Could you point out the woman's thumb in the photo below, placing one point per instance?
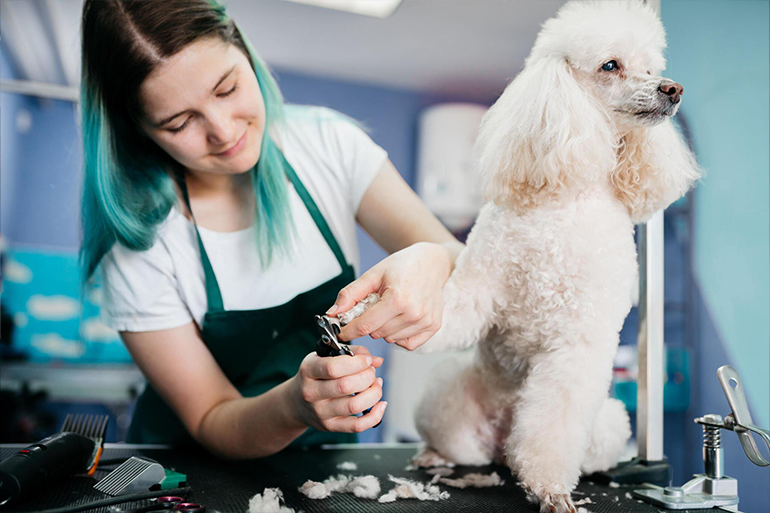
(355, 292)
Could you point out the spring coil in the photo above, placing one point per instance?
(711, 437)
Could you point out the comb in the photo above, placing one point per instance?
(133, 475)
(92, 427)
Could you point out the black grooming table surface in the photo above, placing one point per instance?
(227, 486)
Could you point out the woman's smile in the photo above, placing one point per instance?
(235, 148)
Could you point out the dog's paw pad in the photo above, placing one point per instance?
(556, 503)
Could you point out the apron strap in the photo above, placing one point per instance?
(213, 293)
(315, 213)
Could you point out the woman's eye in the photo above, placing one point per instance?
(610, 66)
(180, 127)
(228, 93)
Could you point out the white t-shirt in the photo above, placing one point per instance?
(164, 287)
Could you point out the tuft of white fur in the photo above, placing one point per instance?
(364, 487)
(474, 481)
(408, 489)
(347, 465)
(571, 159)
(269, 501)
(314, 490)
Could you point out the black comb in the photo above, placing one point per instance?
(92, 427)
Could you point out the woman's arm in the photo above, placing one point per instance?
(395, 217)
(177, 363)
(410, 280)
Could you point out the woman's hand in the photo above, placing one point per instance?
(410, 283)
(322, 391)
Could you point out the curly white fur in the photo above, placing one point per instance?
(572, 156)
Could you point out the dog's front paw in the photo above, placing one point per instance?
(430, 458)
(556, 503)
(550, 502)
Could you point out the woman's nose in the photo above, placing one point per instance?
(672, 90)
(220, 131)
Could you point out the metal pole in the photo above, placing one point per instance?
(649, 419)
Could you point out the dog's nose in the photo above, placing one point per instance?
(672, 90)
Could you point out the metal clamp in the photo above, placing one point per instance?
(740, 418)
(712, 488)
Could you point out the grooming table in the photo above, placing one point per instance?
(227, 486)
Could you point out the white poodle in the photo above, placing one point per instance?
(578, 149)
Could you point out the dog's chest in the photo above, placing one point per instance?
(566, 270)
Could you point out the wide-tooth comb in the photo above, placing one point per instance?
(92, 427)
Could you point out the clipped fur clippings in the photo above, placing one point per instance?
(269, 501)
(408, 489)
(363, 487)
(474, 481)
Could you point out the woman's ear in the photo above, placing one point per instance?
(544, 135)
(655, 168)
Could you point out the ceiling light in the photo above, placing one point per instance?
(377, 8)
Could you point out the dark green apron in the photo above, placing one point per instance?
(256, 349)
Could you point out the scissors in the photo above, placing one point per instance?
(169, 502)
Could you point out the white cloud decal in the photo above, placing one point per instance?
(53, 308)
(54, 345)
(96, 331)
(16, 272)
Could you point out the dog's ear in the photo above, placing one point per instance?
(654, 168)
(544, 135)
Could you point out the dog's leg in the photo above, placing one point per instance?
(451, 417)
(552, 422)
(469, 302)
(609, 436)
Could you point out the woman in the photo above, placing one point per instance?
(223, 221)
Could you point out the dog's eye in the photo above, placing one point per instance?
(610, 66)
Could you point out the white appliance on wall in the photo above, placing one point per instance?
(446, 178)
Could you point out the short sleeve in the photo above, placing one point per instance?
(357, 155)
(141, 291)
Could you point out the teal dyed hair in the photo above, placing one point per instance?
(128, 180)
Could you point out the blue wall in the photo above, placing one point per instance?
(41, 169)
(728, 103)
(720, 51)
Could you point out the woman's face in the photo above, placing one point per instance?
(203, 106)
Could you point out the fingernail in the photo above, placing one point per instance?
(379, 380)
(368, 361)
(384, 405)
(332, 310)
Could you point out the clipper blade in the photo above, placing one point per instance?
(135, 475)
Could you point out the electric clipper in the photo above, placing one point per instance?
(75, 450)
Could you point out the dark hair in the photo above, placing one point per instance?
(124, 40)
(127, 187)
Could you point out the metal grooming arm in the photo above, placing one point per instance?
(649, 419)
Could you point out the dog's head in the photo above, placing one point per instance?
(589, 105)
